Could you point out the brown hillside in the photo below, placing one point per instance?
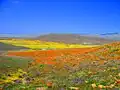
(73, 38)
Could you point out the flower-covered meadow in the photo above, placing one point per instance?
(96, 68)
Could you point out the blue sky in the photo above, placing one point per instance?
(59, 16)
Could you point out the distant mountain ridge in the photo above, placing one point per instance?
(74, 39)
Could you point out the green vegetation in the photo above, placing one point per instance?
(86, 77)
(91, 73)
(8, 64)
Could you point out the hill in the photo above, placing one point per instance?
(82, 68)
(74, 39)
(38, 45)
(100, 54)
(5, 47)
(99, 67)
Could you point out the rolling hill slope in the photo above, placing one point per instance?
(100, 54)
(74, 39)
(5, 47)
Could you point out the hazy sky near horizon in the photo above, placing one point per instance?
(59, 16)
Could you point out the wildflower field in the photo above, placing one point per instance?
(85, 68)
(37, 44)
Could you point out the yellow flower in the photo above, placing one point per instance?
(75, 88)
(110, 75)
(100, 86)
(104, 70)
(20, 70)
(41, 88)
(107, 86)
(93, 85)
(89, 72)
(114, 68)
(119, 74)
(104, 86)
(86, 81)
(112, 85)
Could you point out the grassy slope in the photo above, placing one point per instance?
(105, 52)
(6, 47)
(36, 44)
(13, 63)
(100, 67)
